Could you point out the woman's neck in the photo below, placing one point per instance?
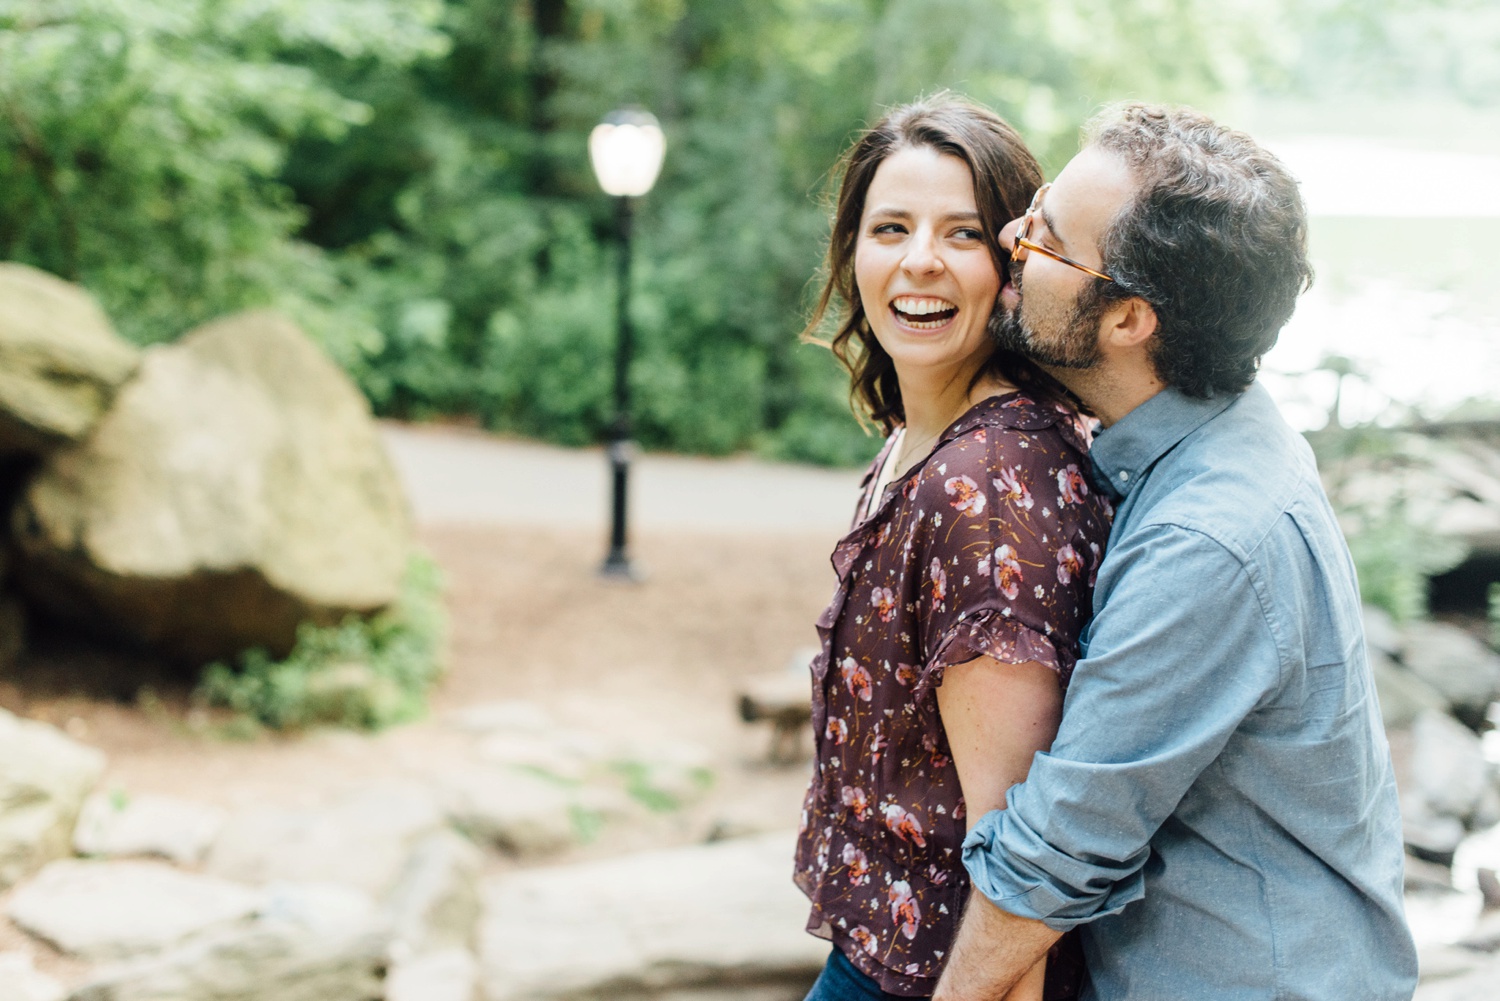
(930, 410)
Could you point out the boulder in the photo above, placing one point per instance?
(649, 925)
(1462, 669)
(44, 777)
(361, 839)
(1480, 984)
(447, 975)
(515, 812)
(310, 943)
(435, 903)
(236, 488)
(178, 830)
(61, 361)
(1402, 694)
(99, 910)
(20, 981)
(1448, 772)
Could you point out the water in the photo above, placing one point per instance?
(1402, 240)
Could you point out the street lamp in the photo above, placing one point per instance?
(626, 149)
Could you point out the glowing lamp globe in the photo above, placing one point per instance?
(626, 150)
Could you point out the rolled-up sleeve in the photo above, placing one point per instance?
(1179, 654)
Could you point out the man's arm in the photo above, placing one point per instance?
(992, 953)
(1179, 655)
(997, 716)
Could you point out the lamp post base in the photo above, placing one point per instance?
(621, 568)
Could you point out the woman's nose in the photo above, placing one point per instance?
(922, 256)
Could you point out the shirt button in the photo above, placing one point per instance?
(1124, 474)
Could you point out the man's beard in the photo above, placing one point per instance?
(1075, 344)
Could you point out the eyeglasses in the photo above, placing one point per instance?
(1023, 244)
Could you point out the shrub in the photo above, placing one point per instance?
(364, 673)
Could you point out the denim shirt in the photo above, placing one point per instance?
(1218, 811)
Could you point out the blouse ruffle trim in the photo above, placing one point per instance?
(988, 633)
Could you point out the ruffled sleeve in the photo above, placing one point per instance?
(1009, 538)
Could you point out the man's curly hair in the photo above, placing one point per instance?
(1215, 239)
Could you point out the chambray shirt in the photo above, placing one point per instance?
(1218, 811)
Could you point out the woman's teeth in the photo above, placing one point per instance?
(923, 312)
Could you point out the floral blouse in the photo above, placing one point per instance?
(987, 547)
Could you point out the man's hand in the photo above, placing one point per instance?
(992, 951)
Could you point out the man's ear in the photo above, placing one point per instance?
(1130, 324)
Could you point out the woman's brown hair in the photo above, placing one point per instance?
(1005, 174)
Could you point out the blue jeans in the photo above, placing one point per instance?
(842, 981)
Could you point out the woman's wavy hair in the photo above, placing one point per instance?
(1005, 174)
(1215, 239)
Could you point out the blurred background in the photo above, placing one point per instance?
(307, 346)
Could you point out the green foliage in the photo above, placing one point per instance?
(1494, 616)
(409, 178)
(363, 673)
(1395, 558)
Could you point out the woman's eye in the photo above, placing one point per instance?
(888, 227)
(968, 233)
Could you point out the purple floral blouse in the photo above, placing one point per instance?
(987, 547)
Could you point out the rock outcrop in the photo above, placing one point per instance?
(60, 361)
(236, 488)
(44, 777)
(650, 926)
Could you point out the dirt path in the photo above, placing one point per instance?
(737, 553)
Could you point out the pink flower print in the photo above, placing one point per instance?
(1071, 486)
(903, 825)
(837, 730)
(855, 799)
(936, 876)
(856, 678)
(1014, 489)
(858, 863)
(961, 809)
(865, 940)
(937, 579)
(1007, 572)
(878, 742)
(1094, 566)
(905, 911)
(906, 674)
(980, 437)
(1069, 564)
(882, 535)
(1016, 402)
(965, 494)
(929, 744)
(884, 600)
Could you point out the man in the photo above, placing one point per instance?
(1217, 814)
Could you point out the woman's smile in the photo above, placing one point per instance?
(923, 312)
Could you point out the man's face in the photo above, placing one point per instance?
(1056, 320)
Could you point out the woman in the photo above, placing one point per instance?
(967, 576)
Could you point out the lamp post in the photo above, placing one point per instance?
(626, 150)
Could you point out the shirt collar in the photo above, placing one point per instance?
(1123, 452)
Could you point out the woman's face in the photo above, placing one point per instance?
(925, 276)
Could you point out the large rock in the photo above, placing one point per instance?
(1479, 984)
(311, 943)
(435, 906)
(649, 925)
(60, 361)
(178, 830)
(44, 777)
(20, 981)
(1403, 695)
(1464, 670)
(236, 488)
(446, 975)
(364, 839)
(115, 910)
(517, 813)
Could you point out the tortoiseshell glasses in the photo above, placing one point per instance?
(1024, 244)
